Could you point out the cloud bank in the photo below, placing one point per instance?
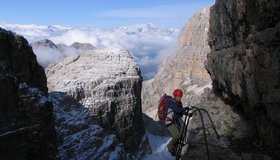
(147, 43)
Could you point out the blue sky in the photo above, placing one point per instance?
(100, 13)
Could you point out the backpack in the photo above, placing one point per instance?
(162, 108)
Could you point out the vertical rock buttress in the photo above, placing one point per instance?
(244, 62)
(26, 118)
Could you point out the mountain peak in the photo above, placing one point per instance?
(83, 46)
(44, 43)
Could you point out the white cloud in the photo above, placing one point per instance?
(47, 56)
(146, 43)
(75, 35)
(69, 51)
(146, 60)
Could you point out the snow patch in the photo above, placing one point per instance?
(159, 147)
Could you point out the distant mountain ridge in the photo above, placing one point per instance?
(49, 53)
(35, 32)
(147, 43)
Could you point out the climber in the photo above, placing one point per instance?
(172, 122)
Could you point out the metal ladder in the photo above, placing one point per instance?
(183, 140)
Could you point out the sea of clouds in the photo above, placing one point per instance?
(147, 43)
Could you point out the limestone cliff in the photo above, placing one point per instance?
(184, 68)
(26, 119)
(106, 83)
(244, 62)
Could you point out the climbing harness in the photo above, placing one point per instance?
(183, 139)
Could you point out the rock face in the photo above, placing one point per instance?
(184, 69)
(18, 58)
(81, 137)
(194, 45)
(236, 138)
(244, 62)
(26, 119)
(108, 84)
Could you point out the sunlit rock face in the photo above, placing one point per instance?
(107, 84)
(244, 62)
(26, 118)
(185, 69)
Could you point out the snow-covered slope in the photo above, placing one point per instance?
(78, 136)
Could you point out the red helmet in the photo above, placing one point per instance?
(178, 92)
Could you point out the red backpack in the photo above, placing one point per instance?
(162, 108)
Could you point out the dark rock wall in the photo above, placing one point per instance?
(26, 119)
(244, 62)
(17, 58)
